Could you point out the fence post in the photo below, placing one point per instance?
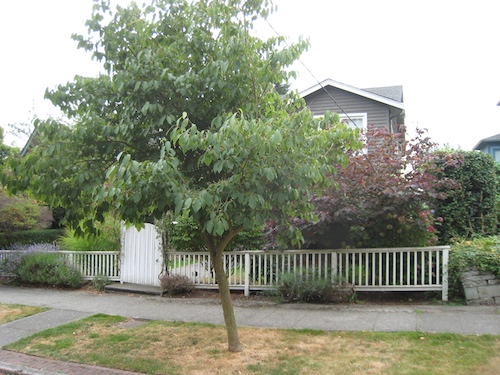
(445, 273)
(247, 274)
(334, 268)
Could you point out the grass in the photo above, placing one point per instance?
(9, 312)
(158, 347)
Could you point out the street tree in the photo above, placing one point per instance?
(187, 119)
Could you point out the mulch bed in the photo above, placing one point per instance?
(379, 298)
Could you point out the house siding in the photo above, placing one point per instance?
(319, 102)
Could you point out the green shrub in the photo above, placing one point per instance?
(480, 253)
(17, 212)
(470, 208)
(100, 281)
(47, 269)
(294, 288)
(176, 284)
(497, 202)
(416, 227)
(28, 237)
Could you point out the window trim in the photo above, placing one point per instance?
(361, 115)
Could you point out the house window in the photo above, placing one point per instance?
(495, 152)
(354, 120)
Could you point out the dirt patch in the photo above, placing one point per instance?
(405, 298)
(374, 298)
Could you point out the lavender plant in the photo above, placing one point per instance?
(10, 261)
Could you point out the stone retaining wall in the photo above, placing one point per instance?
(481, 288)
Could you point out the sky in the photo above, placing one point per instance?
(445, 54)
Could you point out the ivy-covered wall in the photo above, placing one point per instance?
(470, 208)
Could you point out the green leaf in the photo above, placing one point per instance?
(269, 173)
(111, 172)
(209, 226)
(276, 138)
(145, 108)
(196, 205)
(252, 202)
(219, 228)
(179, 202)
(137, 197)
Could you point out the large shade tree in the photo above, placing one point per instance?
(187, 118)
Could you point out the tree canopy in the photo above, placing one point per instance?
(185, 118)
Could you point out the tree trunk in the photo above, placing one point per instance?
(216, 248)
(233, 338)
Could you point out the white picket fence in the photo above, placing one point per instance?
(90, 263)
(390, 269)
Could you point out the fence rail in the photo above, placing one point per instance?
(390, 269)
(90, 263)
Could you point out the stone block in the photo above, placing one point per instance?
(489, 291)
(481, 288)
(471, 293)
(470, 273)
(476, 278)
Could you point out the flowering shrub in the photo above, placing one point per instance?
(40, 264)
(47, 269)
(10, 265)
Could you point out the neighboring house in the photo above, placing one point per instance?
(491, 146)
(379, 106)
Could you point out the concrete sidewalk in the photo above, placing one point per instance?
(73, 305)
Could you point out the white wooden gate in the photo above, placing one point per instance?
(141, 256)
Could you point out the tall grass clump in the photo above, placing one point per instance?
(107, 239)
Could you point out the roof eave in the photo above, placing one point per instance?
(351, 89)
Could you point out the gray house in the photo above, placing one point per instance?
(490, 145)
(381, 107)
(377, 106)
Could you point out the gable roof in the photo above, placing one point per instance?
(390, 92)
(391, 95)
(492, 139)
